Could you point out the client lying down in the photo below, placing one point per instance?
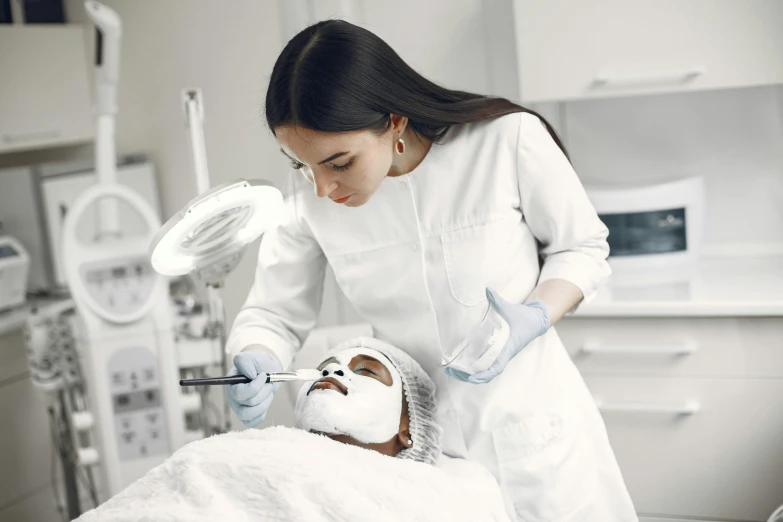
(367, 448)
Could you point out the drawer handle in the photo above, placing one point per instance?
(686, 408)
(647, 77)
(686, 348)
(31, 136)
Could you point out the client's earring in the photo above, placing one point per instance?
(399, 146)
(410, 442)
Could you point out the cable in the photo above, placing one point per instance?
(53, 468)
(93, 493)
(68, 454)
(204, 391)
(215, 428)
(207, 406)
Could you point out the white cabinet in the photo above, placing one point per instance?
(693, 407)
(571, 49)
(44, 92)
(697, 447)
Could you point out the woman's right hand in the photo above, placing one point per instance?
(250, 401)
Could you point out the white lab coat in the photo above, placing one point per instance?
(481, 210)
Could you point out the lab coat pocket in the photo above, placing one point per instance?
(476, 257)
(547, 467)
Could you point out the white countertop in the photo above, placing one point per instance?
(13, 319)
(717, 286)
(728, 287)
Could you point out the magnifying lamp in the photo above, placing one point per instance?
(208, 237)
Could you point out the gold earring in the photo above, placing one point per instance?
(399, 146)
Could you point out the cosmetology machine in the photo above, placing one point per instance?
(208, 237)
(110, 357)
(123, 326)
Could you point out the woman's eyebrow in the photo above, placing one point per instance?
(333, 157)
(289, 157)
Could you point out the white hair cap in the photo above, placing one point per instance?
(420, 394)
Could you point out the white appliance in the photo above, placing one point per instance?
(652, 227)
(108, 358)
(123, 324)
(14, 266)
(124, 334)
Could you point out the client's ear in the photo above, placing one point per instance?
(404, 434)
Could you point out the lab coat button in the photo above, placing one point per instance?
(403, 184)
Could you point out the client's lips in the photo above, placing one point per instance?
(328, 383)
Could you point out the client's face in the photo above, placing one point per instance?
(359, 400)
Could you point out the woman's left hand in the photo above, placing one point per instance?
(526, 321)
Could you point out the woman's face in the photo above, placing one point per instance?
(347, 167)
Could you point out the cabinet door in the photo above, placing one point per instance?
(570, 49)
(44, 92)
(697, 447)
(669, 347)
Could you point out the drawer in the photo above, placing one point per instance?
(708, 347)
(709, 448)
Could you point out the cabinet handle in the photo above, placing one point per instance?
(686, 348)
(31, 136)
(647, 77)
(686, 408)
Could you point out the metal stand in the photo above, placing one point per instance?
(216, 329)
(69, 464)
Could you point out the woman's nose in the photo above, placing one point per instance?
(324, 185)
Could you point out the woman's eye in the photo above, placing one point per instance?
(367, 370)
(296, 165)
(343, 167)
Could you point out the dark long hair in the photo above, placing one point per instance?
(335, 77)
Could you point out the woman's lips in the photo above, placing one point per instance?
(343, 200)
(328, 383)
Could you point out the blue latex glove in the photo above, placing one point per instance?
(250, 401)
(527, 321)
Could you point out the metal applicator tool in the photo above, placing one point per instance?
(298, 375)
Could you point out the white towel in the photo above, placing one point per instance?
(285, 474)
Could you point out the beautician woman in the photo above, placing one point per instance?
(427, 203)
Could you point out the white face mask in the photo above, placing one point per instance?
(369, 413)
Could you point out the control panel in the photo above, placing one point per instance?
(121, 286)
(139, 415)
